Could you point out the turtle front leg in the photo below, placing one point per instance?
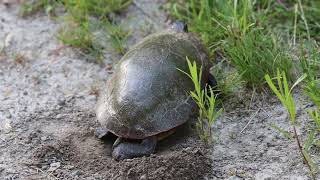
(123, 149)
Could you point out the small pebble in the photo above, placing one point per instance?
(43, 138)
(143, 177)
(8, 115)
(54, 166)
(62, 102)
(70, 167)
(186, 149)
(76, 173)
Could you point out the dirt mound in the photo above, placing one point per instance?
(79, 154)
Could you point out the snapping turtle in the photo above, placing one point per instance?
(147, 97)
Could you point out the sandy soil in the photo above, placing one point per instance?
(47, 118)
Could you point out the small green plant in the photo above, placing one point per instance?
(117, 37)
(206, 102)
(309, 56)
(308, 144)
(316, 118)
(312, 89)
(230, 82)
(30, 7)
(310, 64)
(80, 36)
(284, 94)
(313, 137)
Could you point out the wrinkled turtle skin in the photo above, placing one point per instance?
(147, 94)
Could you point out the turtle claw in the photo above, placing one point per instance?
(117, 142)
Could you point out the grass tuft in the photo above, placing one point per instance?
(256, 54)
(80, 31)
(206, 101)
(80, 24)
(234, 28)
(280, 16)
(80, 36)
(33, 6)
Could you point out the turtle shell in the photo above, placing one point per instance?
(147, 94)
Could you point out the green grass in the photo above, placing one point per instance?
(31, 7)
(213, 19)
(83, 21)
(206, 101)
(256, 54)
(280, 16)
(81, 13)
(233, 28)
(230, 82)
(312, 89)
(310, 64)
(284, 94)
(256, 37)
(117, 37)
(309, 56)
(80, 36)
(313, 139)
(315, 114)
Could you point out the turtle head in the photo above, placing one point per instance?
(179, 26)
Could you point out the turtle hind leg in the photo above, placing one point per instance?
(124, 149)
